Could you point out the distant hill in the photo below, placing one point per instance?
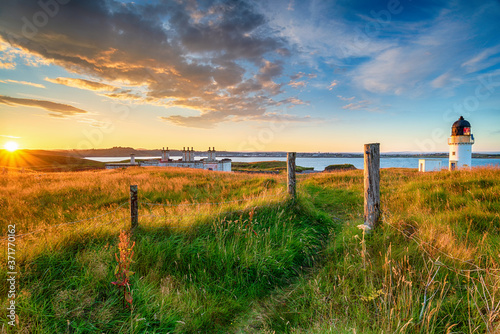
(46, 161)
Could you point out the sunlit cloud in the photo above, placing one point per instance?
(332, 85)
(57, 110)
(203, 52)
(297, 84)
(23, 83)
(82, 83)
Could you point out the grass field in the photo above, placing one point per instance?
(265, 166)
(229, 253)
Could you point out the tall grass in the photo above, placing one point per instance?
(431, 267)
(208, 245)
(246, 260)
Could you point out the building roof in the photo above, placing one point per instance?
(458, 127)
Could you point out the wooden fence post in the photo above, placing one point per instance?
(134, 208)
(372, 185)
(290, 168)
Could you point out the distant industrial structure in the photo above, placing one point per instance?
(187, 161)
(460, 144)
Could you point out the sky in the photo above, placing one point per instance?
(303, 76)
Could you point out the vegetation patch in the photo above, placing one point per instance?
(265, 166)
(342, 167)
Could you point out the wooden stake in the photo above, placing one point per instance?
(290, 168)
(372, 185)
(134, 208)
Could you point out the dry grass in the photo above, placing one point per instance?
(98, 201)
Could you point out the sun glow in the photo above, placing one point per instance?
(11, 146)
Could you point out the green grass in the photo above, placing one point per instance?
(265, 166)
(340, 167)
(265, 265)
(398, 279)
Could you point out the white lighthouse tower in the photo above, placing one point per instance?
(460, 143)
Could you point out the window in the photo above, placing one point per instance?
(453, 153)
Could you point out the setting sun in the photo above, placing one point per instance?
(11, 146)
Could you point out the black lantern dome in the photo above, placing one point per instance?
(461, 128)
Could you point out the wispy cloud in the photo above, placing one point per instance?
(357, 105)
(297, 84)
(438, 54)
(23, 83)
(11, 137)
(346, 98)
(57, 110)
(332, 85)
(82, 83)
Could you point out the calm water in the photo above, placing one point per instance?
(319, 164)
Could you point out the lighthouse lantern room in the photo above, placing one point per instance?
(460, 144)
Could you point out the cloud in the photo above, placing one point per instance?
(280, 117)
(220, 58)
(320, 31)
(291, 100)
(439, 53)
(346, 98)
(357, 105)
(23, 83)
(486, 58)
(12, 137)
(82, 83)
(332, 85)
(58, 110)
(297, 84)
(300, 75)
(10, 56)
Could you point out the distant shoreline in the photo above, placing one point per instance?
(126, 151)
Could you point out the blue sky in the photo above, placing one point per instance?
(288, 75)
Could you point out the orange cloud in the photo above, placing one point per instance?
(23, 83)
(82, 83)
(58, 110)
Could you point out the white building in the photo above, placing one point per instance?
(460, 144)
(187, 161)
(429, 165)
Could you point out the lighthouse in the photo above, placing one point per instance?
(460, 143)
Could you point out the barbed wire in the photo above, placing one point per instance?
(68, 223)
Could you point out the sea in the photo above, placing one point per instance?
(319, 164)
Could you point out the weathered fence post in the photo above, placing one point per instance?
(134, 209)
(372, 184)
(290, 168)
